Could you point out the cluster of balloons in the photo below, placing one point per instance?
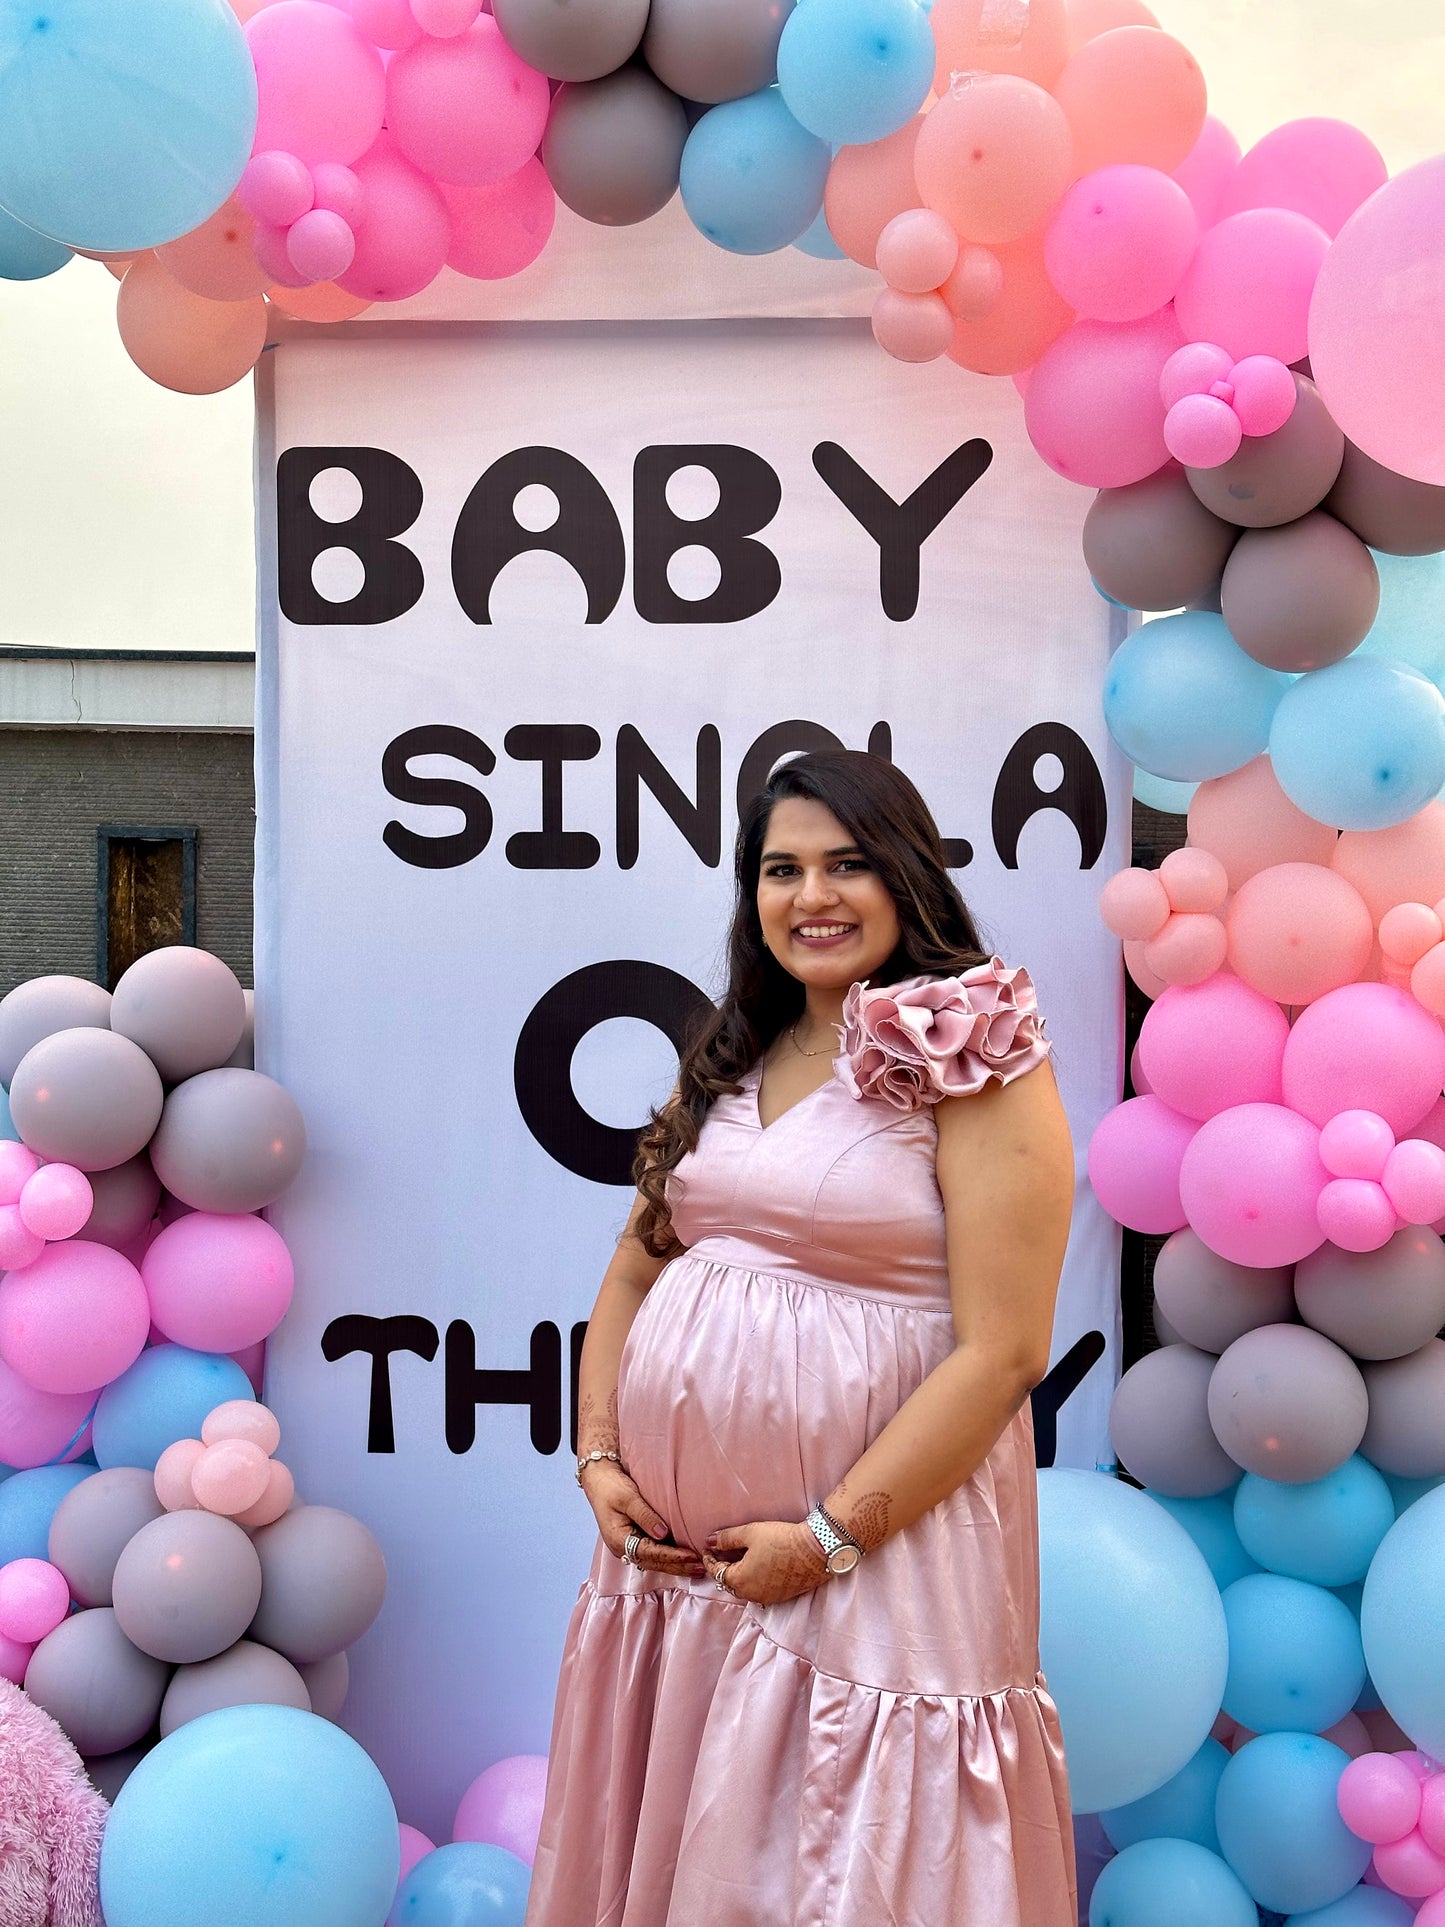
(483, 1875)
(1395, 1801)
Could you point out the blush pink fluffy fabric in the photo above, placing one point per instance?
(51, 1822)
(929, 1038)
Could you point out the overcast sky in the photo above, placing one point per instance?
(126, 510)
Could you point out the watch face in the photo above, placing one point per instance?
(843, 1559)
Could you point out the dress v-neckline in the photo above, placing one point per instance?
(756, 1074)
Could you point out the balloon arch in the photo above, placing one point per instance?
(1242, 355)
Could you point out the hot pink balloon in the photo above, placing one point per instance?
(402, 245)
(75, 1319)
(1194, 880)
(1119, 243)
(1414, 1181)
(1432, 1812)
(173, 1475)
(57, 1201)
(322, 87)
(917, 251)
(1264, 394)
(1194, 370)
(1365, 1047)
(1093, 409)
(1134, 1163)
(218, 1282)
(1250, 282)
(337, 190)
(1207, 169)
(19, 1245)
(276, 1499)
(34, 1598)
(1188, 950)
(14, 1659)
(1356, 1214)
(1208, 1047)
(912, 327)
(1356, 1144)
(242, 1418)
(18, 1164)
(466, 110)
(386, 23)
(1250, 1182)
(498, 231)
(1202, 431)
(1410, 1867)
(1379, 1798)
(1135, 904)
(1321, 168)
(276, 188)
(321, 246)
(230, 1477)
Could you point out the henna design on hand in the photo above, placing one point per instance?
(598, 1432)
(868, 1521)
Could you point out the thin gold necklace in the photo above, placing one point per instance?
(827, 1049)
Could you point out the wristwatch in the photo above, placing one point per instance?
(843, 1552)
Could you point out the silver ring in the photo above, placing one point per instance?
(720, 1580)
(629, 1551)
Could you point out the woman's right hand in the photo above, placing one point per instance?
(620, 1507)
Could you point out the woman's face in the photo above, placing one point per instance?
(827, 915)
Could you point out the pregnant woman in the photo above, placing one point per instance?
(801, 1683)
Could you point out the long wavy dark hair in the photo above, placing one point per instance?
(891, 824)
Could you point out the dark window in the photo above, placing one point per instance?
(145, 895)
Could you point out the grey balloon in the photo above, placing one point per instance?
(86, 1097)
(41, 1007)
(714, 50)
(1389, 511)
(93, 1525)
(1277, 478)
(110, 1771)
(1160, 1425)
(1302, 596)
(327, 1681)
(1166, 1333)
(244, 1675)
(243, 1057)
(1406, 1433)
(184, 1007)
(186, 1586)
(126, 1197)
(1376, 1304)
(613, 147)
(1286, 1403)
(323, 1582)
(572, 39)
(1154, 545)
(91, 1679)
(1212, 1302)
(228, 1140)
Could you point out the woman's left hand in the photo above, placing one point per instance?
(766, 1563)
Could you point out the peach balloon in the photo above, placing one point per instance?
(1405, 864)
(231, 1477)
(323, 302)
(183, 341)
(1149, 981)
(1247, 821)
(867, 187)
(242, 1418)
(1133, 94)
(975, 286)
(1026, 318)
(1408, 931)
(1089, 18)
(1298, 930)
(1134, 905)
(217, 260)
(917, 252)
(1427, 981)
(979, 36)
(994, 157)
(173, 1475)
(912, 327)
(1194, 880)
(276, 1499)
(1187, 950)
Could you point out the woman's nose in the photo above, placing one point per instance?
(815, 889)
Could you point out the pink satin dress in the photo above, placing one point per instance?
(881, 1752)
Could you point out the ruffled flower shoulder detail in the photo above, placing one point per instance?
(928, 1038)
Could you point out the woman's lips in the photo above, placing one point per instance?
(842, 935)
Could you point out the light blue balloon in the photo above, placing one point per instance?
(1361, 1907)
(1326, 1531)
(1160, 794)
(26, 255)
(1411, 624)
(1360, 745)
(1173, 1881)
(255, 1813)
(27, 1505)
(7, 1123)
(163, 1397)
(1182, 1809)
(1132, 1636)
(856, 70)
(1296, 1664)
(1210, 1524)
(1183, 700)
(1279, 1826)
(752, 178)
(464, 1885)
(123, 123)
(1402, 1621)
(817, 240)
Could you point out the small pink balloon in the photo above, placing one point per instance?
(276, 1499)
(1356, 1214)
(1250, 283)
(1408, 931)
(57, 1201)
(1193, 371)
(1206, 171)
(1185, 1060)
(1356, 1144)
(390, 24)
(1427, 980)
(243, 1418)
(1134, 1163)
(912, 327)
(1409, 1866)
(1414, 1181)
(74, 1319)
(975, 288)
(322, 86)
(18, 1164)
(337, 190)
(497, 231)
(272, 256)
(466, 110)
(230, 1477)
(1119, 242)
(1379, 1798)
(320, 246)
(14, 1659)
(34, 1599)
(402, 245)
(444, 19)
(1188, 950)
(19, 1245)
(1093, 409)
(1249, 1183)
(1432, 1812)
(1135, 905)
(1194, 880)
(173, 1475)
(1321, 168)
(276, 188)
(1264, 394)
(917, 251)
(1201, 431)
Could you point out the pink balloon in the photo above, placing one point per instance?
(274, 257)
(498, 231)
(445, 18)
(1202, 431)
(1410, 1867)
(1120, 242)
(466, 110)
(19, 1245)
(218, 1282)
(1298, 931)
(1323, 169)
(243, 1418)
(34, 1598)
(1264, 394)
(1356, 1144)
(1135, 904)
(975, 288)
(18, 1164)
(230, 1477)
(14, 1659)
(276, 188)
(1414, 1181)
(917, 251)
(321, 246)
(322, 87)
(1408, 931)
(1187, 1061)
(276, 1499)
(1134, 1162)
(1379, 1798)
(1432, 1812)
(414, 1846)
(1249, 823)
(912, 327)
(1365, 1047)
(1189, 949)
(402, 245)
(1356, 1214)
(1193, 371)
(1207, 169)
(57, 1201)
(1250, 282)
(1093, 409)
(39, 1428)
(1250, 1182)
(173, 1475)
(386, 23)
(75, 1319)
(503, 1806)
(1194, 880)
(1432, 1913)
(337, 190)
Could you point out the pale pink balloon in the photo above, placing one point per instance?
(1321, 168)
(1207, 169)
(1410, 1867)
(1408, 931)
(414, 1846)
(218, 1281)
(1297, 931)
(975, 287)
(40, 1428)
(1250, 282)
(1135, 1157)
(1188, 950)
(917, 251)
(181, 340)
(74, 1319)
(1356, 1144)
(1356, 1214)
(1202, 431)
(466, 110)
(867, 186)
(217, 259)
(19, 1245)
(34, 1599)
(277, 188)
(1405, 864)
(243, 1418)
(1379, 1798)
(402, 245)
(56, 1202)
(338, 190)
(977, 36)
(1089, 18)
(1027, 315)
(1194, 370)
(445, 18)
(274, 257)
(1414, 1181)
(1264, 394)
(320, 245)
(1093, 410)
(1186, 1061)
(14, 1659)
(498, 231)
(1365, 1047)
(1247, 821)
(322, 86)
(18, 1164)
(1119, 243)
(230, 1477)
(1134, 904)
(1194, 880)
(1152, 985)
(276, 1499)
(1249, 1184)
(1427, 980)
(993, 157)
(323, 303)
(386, 23)
(1134, 94)
(1432, 1913)
(173, 1475)
(912, 327)
(1432, 1812)
(1138, 1076)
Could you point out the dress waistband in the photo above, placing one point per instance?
(799, 1265)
